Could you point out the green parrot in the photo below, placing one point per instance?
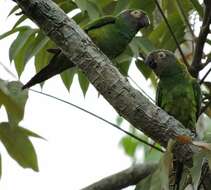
(178, 93)
(111, 34)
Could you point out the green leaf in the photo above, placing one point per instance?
(141, 44)
(161, 36)
(67, 77)
(83, 81)
(129, 145)
(90, 7)
(14, 9)
(159, 180)
(14, 100)
(198, 7)
(29, 133)
(121, 5)
(144, 69)
(20, 58)
(18, 146)
(196, 169)
(144, 5)
(152, 155)
(20, 41)
(104, 5)
(67, 6)
(19, 29)
(19, 21)
(43, 57)
(38, 43)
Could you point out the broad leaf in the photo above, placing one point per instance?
(90, 7)
(20, 53)
(83, 81)
(20, 41)
(19, 21)
(18, 146)
(14, 100)
(67, 77)
(129, 145)
(198, 7)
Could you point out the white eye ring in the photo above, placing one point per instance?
(136, 13)
(162, 55)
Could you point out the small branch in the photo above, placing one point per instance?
(139, 87)
(8, 71)
(206, 63)
(198, 53)
(100, 118)
(172, 33)
(205, 76)
(88, 112)
(125, 178)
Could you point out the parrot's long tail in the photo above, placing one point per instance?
(178, 175)
(57, 64)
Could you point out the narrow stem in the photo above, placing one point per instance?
(205, 76)
(100, 118)
(172, 33)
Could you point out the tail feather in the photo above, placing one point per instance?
(58, 64)
(179, 170)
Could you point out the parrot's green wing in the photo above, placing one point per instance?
(198, 97)
(159, 95)
(99, 23)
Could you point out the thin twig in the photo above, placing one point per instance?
(86, 111)
(205, 76)
(206, 63)
(8, 71)
(198, 53)
(172, 33)
(100, 118)
(139, 87)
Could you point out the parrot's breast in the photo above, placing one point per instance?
(178, 100)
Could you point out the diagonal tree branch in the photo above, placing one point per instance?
(125, 178)
(196, 65)
(126, 100)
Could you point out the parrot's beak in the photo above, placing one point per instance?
(150, 61)
(144, 21)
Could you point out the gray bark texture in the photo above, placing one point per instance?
(115, 88)
(125, 178)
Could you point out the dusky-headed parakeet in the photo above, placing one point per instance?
(111, 34)
(178, 93)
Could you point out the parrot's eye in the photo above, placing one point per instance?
(161, 55)
(136, 13)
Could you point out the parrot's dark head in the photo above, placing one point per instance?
(135, 17)
(162, 62)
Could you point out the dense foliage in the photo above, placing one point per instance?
(182, 18)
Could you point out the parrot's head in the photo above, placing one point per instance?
(161, 61)
(135, 17)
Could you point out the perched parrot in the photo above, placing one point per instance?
(111, 34)
(178, 93)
